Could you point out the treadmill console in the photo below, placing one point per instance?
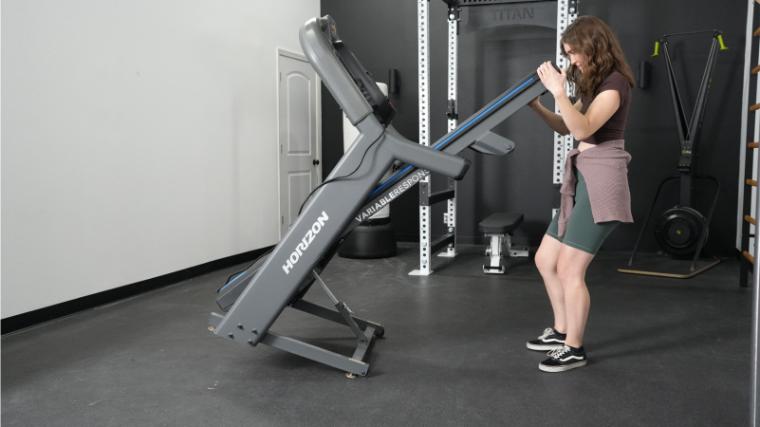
(381, 105)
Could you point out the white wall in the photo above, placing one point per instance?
(138, 138)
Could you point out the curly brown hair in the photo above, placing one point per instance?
(594, 38)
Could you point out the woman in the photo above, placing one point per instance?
(594, 196)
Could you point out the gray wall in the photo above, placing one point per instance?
(383, 35)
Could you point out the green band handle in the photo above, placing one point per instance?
(720, 42)
(656, 49)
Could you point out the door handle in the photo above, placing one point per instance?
(315, 162)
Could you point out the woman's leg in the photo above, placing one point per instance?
(546, 262)
(583, 238)
(571, 271)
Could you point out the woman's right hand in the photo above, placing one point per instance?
(553, 80)
(535, 103)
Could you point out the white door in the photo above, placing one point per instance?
(300, 154)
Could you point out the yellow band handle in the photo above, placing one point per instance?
(720, 42)
(656, 51)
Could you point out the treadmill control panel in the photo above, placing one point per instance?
(381, 105)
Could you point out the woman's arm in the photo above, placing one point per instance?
(580, 125)
(551, 118)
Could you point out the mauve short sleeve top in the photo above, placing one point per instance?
(615, 126)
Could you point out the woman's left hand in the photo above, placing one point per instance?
(553, 80)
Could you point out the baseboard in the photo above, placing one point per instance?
(45, 314)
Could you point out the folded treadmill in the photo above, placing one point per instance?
(253, 299)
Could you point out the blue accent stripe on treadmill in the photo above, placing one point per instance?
(498, 103)
(230, 282)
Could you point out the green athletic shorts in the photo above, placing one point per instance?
(581, 232)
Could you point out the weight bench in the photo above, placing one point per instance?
(498, 227)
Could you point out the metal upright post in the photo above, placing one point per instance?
(567, 12)
(754, 416)
(744, 137)
(424, 134)
(754, 247)
(450, 217)
(747, 194)
(741, 228)
(755, 381)
(755, 160)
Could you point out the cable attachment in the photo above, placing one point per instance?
(451, 110)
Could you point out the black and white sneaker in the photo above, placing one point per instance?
(549, 340)
(564, 359)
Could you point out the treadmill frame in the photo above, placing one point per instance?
(335, 208)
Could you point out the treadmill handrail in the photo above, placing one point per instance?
(434, 160)
(472, 121)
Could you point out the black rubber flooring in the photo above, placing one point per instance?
(663, 352)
